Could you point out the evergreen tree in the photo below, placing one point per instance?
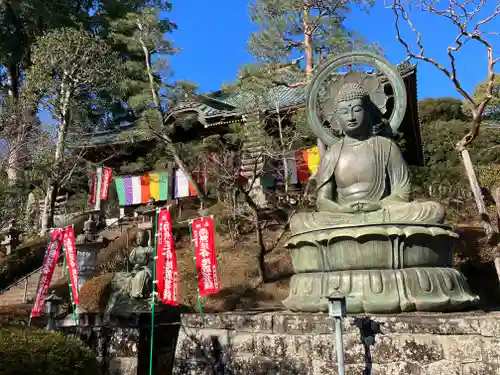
(21, 22)
(134, 93)
(66, 63)
(311, 29)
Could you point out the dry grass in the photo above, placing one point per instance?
(239, 276)
(15, 314)
(238, 271)
(94, 294)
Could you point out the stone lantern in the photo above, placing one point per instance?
(52, 302)
(88, 246)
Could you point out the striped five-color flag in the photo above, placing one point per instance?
(133, 190)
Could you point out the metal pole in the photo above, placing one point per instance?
(339, 344)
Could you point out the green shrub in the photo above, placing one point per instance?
(445, 109)
(37, 352)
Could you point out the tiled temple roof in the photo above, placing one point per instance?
(214, 109)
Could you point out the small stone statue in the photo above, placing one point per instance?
(142, 259)
(363, 178)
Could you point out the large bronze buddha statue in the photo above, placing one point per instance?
(363, 177)
(367, 240)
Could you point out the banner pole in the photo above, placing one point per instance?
(200, 304)
(154, 295)
(46, 248)
(66, 271)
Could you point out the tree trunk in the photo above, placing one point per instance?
(478, 196)
(495, 193)
(15, 159)
(159, 133)
(261, 261)
(283, 149)
(17, 134)
(258, 233)
(48, 207)
(308, 43)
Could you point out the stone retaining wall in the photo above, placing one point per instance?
(285, 343)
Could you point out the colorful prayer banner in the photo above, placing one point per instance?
(202, 230)
(181, 185)
(70, 254)
(107, 175)
(48, 267)
(302, 169)
(313, 159)
(183, 188)
(96, 188)
(132, 190)
(166, 260)
(302, 164)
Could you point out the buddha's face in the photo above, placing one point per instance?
(141, 238)
(353, 117)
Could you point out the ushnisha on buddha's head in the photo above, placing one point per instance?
(352, 110)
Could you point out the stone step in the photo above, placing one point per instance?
(15, 295)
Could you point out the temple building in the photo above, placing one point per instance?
(213, 113)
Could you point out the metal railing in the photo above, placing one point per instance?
(25, 279)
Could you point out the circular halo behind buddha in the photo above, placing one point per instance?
(367, 239)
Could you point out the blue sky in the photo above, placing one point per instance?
(213, 38)
(213, 34)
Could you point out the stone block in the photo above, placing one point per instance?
(250, 322)
(303, 323)
(123, 342)
(480, 368)
(491, 348)
(272, 346)
(490, 325)
(464, 349)
(258, 365)
(283, 342)
(123, 366)
(354, 351)
(443, 367)
(421, 349)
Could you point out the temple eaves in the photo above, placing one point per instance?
(221, 108)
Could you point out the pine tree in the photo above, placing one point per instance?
(309, 29)
(135, 93)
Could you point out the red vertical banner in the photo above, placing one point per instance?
(166, 260)
(205, 255)
(93, 186)
(48, 267)
(107, 175)
(70, 253)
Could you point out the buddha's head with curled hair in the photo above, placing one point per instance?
(352, 110)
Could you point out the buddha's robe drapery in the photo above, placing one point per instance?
(142, 272)
(390, 188)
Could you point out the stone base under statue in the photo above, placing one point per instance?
(385, 268)
(382, 291)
